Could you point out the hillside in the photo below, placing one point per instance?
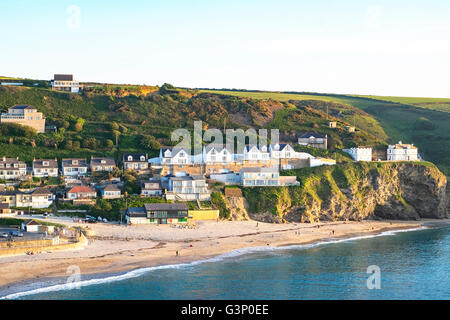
(142, 118)
(422, 121)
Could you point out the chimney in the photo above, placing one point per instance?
(4, 158)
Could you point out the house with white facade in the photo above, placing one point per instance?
(137, 162)
(255, 153)
(81, 192)
(402, 152)
(12, 168)
(38, 199)
(177, 156)
(188, 188)
(282, 151)
(265, 177)
(360, 153)
(313, 140)
(102, 164)
(74, 167)
(110, 191)
(217, 154)
(65, 82)
(151, 188)
(45, 168)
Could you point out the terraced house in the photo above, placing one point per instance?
(45, 168)
(24, 115)
(12, 168)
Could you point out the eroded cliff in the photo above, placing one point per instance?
(357, 191)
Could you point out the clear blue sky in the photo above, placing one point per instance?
(361, 47)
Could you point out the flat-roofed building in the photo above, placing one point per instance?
(158, 213)
(360, 153)
(188, 188)
(24, 115)
(402, 152)
(65, 82)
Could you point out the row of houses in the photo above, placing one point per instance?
(395, 152)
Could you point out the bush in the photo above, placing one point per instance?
(218, 201)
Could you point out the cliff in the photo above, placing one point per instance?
(356, 191)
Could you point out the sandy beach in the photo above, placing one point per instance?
(119, 248)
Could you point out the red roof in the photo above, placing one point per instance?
(81, 189)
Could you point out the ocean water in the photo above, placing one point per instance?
(413, 265)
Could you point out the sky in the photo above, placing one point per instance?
(395, 48)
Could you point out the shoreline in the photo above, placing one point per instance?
(121, 263)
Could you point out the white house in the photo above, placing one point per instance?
(188, 188)
(45, 168)
(255, 153)
(402, 152)
(12, 168)
(74, 167)
(360, 153)
(151, 188)
(65, 82)
(257, 176)
(177, 156)
(281, 151)
(217, 154)
(38, 199)
(138, 162)
(110, 191)
(30, 226)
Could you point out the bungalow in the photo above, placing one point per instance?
(188, 188)
(74, 167)
(138, 162)
(12, 168)
(313, 140)
(102, 164)
(110, 192)
(151, 188)
(81, 192)
(158, 213)
(174, 156)
(45, 168)
(30, 226)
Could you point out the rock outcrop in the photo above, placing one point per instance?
(357, 191)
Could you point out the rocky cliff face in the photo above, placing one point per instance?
(359, 191)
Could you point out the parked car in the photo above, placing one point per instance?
(90, 219)
(5, 235)
(17, 233)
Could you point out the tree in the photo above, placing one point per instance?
(68, 145)
(113, 126)
(77, 127)
(149, 142)
(90, 143)
(109, 143)
(76, 145)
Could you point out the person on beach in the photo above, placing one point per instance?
(177, 253)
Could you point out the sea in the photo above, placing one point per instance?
(391, 265)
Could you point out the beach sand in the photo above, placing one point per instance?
(119, 248)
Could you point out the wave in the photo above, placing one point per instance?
(232, 254)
